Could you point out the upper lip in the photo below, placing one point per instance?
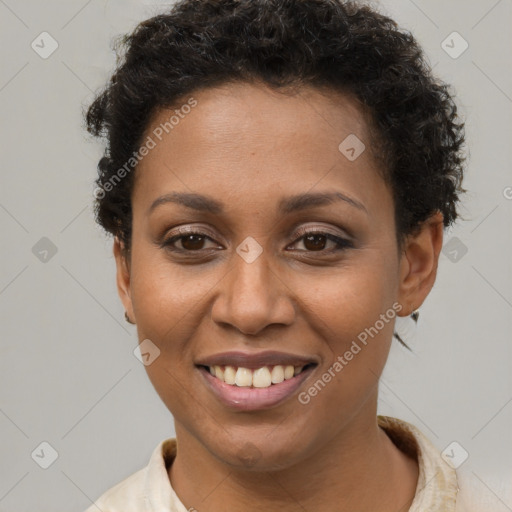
(255, 360)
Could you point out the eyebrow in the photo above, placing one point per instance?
(287, 205)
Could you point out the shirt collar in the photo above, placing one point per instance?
(437, 481)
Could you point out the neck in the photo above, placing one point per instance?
(360, 469)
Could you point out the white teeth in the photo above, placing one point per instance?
(288, 372)
(243, 377)
(229, 375)
(260, 378)
(277, 374)
(219, 373)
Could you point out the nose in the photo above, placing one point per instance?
(252, 296)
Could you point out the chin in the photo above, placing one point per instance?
(259, 455)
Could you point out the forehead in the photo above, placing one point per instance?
(230, 113)
(251, 139)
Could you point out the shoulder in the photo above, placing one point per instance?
(443, 485)
(126, 496)
(145, 489)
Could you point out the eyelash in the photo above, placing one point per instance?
(341, 243)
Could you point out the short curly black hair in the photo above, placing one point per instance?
(337, 45)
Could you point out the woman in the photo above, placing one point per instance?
(277, 178)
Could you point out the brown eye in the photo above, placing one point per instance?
(314, 241)
(190, 242)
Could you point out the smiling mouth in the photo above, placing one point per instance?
(263, 377)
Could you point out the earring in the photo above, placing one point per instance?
(127, 318)
(415, 315)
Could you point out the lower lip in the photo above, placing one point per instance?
(254, 399)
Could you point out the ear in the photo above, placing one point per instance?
(418, 265)
(123, 277)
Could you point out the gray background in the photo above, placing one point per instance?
(67, 369)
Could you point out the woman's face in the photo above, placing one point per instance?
(263, 283)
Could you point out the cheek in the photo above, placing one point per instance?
(352, 298)
(166, 297)
(353, 311)
(358, 340)
(167, 302)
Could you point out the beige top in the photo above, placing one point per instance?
(149, 489)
